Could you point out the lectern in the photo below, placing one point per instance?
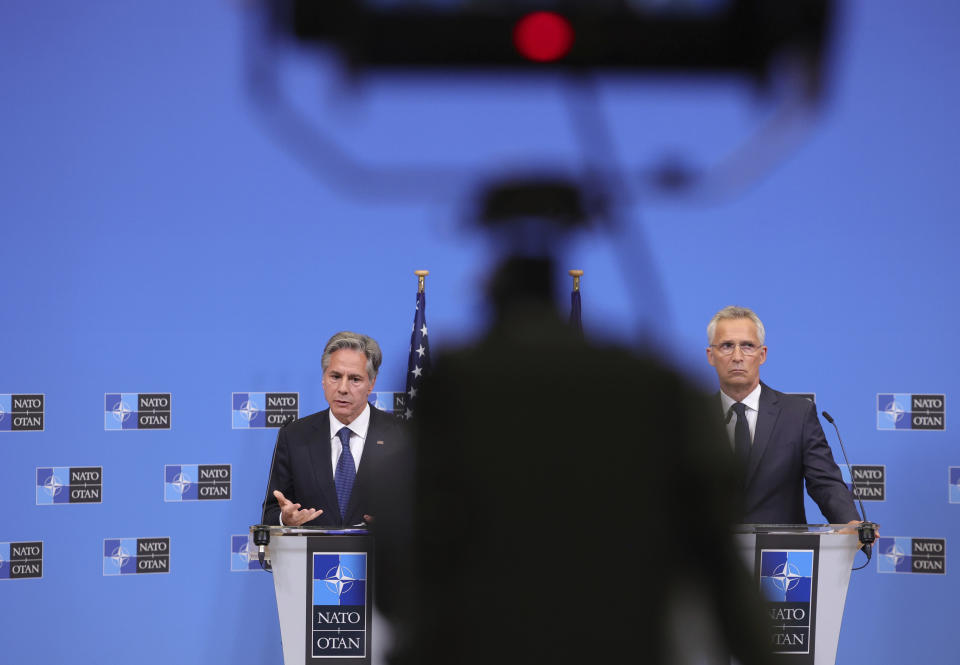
(323, 579)
(802, 572)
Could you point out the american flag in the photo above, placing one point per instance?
(419, 364)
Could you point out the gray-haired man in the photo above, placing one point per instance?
(327, 466)
(778, 438)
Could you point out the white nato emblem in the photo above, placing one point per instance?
(786, 576)
(120, 556)
(895, 411)
(247, 552)
(53, 486)
(339, 579)
(182, 482)
(249, 409)
(894, 554)
(122, 412)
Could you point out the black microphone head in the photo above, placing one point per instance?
(827, 416)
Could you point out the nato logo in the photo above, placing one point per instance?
(911, 555)
(124, 411)
(339, 605)
(196, 482)
(954, 472)
(395, 403)
(69, 484)
(21, 560)
(867, 482)
(21, 413)
(786, 583)
(131, 556)
(898, 411)
(243, 553)
(261, 410)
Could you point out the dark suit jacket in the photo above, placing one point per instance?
(302, 470)
(789, 448)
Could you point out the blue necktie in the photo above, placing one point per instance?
(346, 473)
(741, 434)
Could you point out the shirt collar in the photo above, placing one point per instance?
(359, 426)
(751, 401)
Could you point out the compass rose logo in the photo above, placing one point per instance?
(894, 555)
(53, 486)
(120, 556)
(786, 576)
(121, 412)
(339, 579)
(895, 411)
(248, 410)
(181, 482)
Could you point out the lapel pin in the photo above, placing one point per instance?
(379, 443)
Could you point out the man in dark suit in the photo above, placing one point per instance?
(327, 467)
(777, 438)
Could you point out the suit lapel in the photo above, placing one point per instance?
(767, 415)
(319, 451)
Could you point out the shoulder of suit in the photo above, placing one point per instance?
(383, 418)
(313, 421)
(386, 424)
(788, 401)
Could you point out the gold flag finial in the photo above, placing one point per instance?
(576, 274)
(420, 275)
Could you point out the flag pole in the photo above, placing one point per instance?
(421, 274)
(576, 321)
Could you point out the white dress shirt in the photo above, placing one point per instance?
(752, 402)
(358, 436)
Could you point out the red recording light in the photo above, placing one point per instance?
(543, 36)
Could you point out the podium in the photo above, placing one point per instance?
(802, 572)
(323, 579)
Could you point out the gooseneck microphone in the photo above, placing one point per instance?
(867, 531)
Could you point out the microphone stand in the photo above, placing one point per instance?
(866, 531)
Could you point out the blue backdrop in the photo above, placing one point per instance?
(156, 239)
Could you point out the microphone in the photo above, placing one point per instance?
(867, 531)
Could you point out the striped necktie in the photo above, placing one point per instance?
(345, 474)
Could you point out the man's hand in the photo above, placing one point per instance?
(290, 513)
(853, 530)
(852, 523)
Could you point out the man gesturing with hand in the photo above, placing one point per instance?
(327, 466)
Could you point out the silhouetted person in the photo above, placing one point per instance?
(570, 504)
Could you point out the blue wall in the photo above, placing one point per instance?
(156, 239)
